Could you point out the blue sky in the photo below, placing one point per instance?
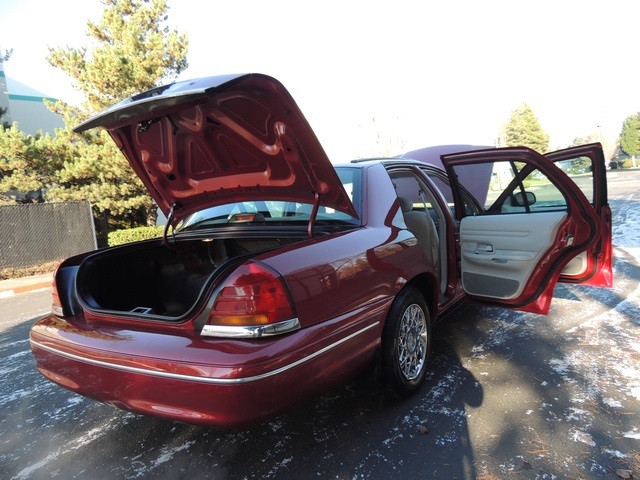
(385, 77)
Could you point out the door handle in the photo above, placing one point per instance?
(484, 248)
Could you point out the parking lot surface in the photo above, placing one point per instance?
(508, 395)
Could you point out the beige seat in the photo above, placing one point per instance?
(422, 226)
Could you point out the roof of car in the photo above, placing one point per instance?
(423, 156)
(388, 161)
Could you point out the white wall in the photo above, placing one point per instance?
(26, 106)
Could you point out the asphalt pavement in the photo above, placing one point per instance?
(508, 395)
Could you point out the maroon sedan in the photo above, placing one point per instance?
(280, 276)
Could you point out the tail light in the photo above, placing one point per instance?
(65, 302)
(56, 306)
(252, 302)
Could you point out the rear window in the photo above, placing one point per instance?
(279, 212)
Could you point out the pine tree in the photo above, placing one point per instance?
(26, 162)
(132, 53)
(3, 123)
(524, 129)
(132, 50)
(630, 136)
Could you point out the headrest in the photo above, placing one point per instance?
(405, 204)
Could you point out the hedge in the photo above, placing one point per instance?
(118, 237)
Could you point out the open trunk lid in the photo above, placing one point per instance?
(217, 140)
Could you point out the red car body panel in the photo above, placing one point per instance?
(226, 383)
(341, 330)
(228, 139)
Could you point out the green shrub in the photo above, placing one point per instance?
(118, 237)
(628, 163)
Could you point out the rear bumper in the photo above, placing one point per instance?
(213, 382)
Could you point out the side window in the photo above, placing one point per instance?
(408, 186)
(580, 170)
(421, 198)
(352, 182)
(442, 184)
(504, 187)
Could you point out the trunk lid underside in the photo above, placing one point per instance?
(217, 140)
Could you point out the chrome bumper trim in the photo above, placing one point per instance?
(258, 331)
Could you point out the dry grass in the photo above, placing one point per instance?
(7, 273)
(488, 476)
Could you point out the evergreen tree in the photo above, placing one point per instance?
(524, 129)
(4, 124)
(630, 136)
(132, 51)
(27, 163)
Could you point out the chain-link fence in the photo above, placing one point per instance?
(44, 232)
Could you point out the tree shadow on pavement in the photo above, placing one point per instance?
(561, 391)
(48, 431)
(508, 394)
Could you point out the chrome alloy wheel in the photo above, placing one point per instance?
(412, 342)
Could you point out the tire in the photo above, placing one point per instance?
(406, 342)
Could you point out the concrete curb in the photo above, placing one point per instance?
(16, 286)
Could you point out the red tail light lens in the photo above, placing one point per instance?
(56, 306)
(252, 295)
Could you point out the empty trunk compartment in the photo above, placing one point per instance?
(149, 279)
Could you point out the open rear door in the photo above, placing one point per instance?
(585, 165)
(536, 220)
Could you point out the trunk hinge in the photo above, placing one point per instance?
(314, 213)
(165, 232)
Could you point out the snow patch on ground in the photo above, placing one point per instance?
(589, 380)
(73, 444)
(632, 434)
(614, 453)
(611, 402)
(168, 453)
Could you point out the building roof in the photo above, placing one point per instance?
(19, 91)
(25, 105)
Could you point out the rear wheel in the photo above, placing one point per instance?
(406, 342)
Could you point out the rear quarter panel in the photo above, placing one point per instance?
(332, 275)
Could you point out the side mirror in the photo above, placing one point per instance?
(523, 199)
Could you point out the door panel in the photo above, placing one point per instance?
(499, 252)
(577, 266)
(536, 223)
